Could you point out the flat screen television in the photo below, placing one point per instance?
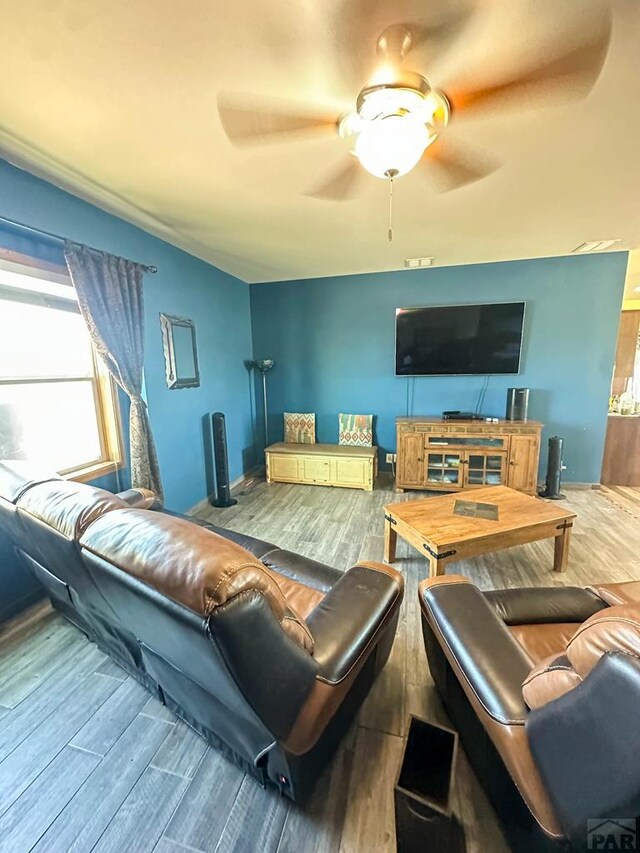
(450, 340)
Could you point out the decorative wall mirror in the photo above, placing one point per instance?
(180, 352)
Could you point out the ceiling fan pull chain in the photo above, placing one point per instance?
(391, 173)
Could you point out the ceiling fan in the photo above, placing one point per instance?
(400, 120)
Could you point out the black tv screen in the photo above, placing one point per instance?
(459, 339)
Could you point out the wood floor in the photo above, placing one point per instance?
(89, 762)
(625, 497)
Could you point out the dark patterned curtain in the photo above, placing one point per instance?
(110, 296)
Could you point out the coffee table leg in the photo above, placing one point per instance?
(437, 568)
(561, 550)
(433, 567)
(390, 539)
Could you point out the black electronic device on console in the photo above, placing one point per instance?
(455, 415)
(517, 404)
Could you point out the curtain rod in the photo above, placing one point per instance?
(57, 237)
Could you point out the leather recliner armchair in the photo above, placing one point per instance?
(263, 651)
(543, 685)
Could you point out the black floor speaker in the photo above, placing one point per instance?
(221, 462)
(551, 488)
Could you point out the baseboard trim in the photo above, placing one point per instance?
(205, 502)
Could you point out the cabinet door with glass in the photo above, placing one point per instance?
(484, 468)
(444, 470)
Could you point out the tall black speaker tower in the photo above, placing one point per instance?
(221, 462)
(555, 467)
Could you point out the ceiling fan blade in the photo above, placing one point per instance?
(575, 71)
(342, 183)
(450, 167)
(269, 121)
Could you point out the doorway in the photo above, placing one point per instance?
(621, 459)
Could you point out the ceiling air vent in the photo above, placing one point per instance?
(595, 246)
(414, 263)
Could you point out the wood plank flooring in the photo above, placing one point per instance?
(625, 497)
(88, 761)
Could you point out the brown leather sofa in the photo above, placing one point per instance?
(544, 687)
(264, 652)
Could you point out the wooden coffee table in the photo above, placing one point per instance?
(443, 537)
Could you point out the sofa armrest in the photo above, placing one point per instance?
(348, 621)
(478, 645)
(544, 605)
(140, 498)
(585, 744)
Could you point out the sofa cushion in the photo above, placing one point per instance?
(627, 592)
(542, 641)
(614, 629)
(549, 679)
(257, 547)
(187, 563)
(301, 569)
(301, 599)
(67, 507)
(16, 477)
(544, 604)
(140, 498)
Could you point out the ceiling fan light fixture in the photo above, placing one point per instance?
(392, 146)
(386, 99)
(384, 75)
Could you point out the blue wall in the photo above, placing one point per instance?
(183, 285)
(333, 343)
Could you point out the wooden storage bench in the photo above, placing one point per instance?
(322, 465)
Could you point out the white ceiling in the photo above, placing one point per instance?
(116, 100)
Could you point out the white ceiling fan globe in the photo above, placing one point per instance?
(391, 146)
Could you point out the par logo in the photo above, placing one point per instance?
(612, 834)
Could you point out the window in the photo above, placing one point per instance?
(58, 406)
